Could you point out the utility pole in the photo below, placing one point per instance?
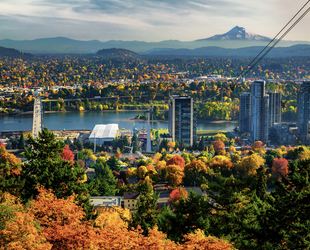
(95, 143)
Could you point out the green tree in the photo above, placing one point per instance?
(21, 142)
(188, 215)
(114, 163)
(45, 167)
(147, 213)
(135, 143)
(104, 183)
(201, 145)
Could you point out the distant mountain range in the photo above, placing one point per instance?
(213, 51)
(236, 38)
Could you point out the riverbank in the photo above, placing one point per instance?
(141, 120)
(82, 111)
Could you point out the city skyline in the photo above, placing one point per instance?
(150, 21)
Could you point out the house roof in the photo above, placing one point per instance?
(131, 195)
(197, 190)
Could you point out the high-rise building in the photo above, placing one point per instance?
(245, 113)
(303, 107)
(259, 112)
(275, 107)
(182, 119)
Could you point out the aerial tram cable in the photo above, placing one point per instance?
(257, 59)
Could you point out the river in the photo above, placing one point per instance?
(87, 120)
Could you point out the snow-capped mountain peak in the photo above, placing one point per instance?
(238, 33)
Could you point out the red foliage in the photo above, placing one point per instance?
(238, 140)
(280, 167)
(218, 146)
(67, 154)
(176, 160)
(258, 145)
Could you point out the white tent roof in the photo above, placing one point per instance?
(102, 131)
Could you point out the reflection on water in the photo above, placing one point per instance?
(87, 120)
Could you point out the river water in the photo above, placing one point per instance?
(87, 120)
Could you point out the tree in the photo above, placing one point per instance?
(188, 215)
(114, 163)
(21, 142)
(176, 195)
(218, 146)
(135, 143)
(67, 154)
(104, 183)
(220, 137)
(175, 174)
(248, 165)
(194, 172)
(201, 145)
(146, 214)
(258, 145)
(10, 169)
(280, 167)
(176, 160)
(45, 167)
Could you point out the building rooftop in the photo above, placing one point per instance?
(131, 195)
(103, 131)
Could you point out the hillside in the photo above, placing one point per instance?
(13, 53)
(116, 53)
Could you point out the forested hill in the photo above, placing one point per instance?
(116, 53)
(13, 53)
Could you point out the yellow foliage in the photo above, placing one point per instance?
(157, 158)
(248, 165)
(132, 172)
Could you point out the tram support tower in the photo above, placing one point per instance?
(37, 117)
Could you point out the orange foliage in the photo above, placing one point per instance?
(67, 154)
(257, 145)
(176, 160)
(22, 233)
(218, 146)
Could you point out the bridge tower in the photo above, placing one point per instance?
(37, 117)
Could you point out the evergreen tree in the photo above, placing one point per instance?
(45, 167)
(135, 143)
(202, 146)
(104, 183)
(21, 142)
(114, 163)
(188, 215)
(147, 213)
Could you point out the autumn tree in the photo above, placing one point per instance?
(175, 174)
(176, 160)
(194, 172)
(10, 169)
(280, 167)
(218, 146)
(248, 165)
(67, 154)
(258, 145)
(176, 195)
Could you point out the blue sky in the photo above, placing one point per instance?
(146, 20)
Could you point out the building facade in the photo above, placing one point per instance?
(259, 112)
(182, 119)
(245, 113)
(303, 108)
(275, 107)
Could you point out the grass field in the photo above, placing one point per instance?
(212, 132)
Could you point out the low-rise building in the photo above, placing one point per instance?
(130, 200)
(105, 201)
